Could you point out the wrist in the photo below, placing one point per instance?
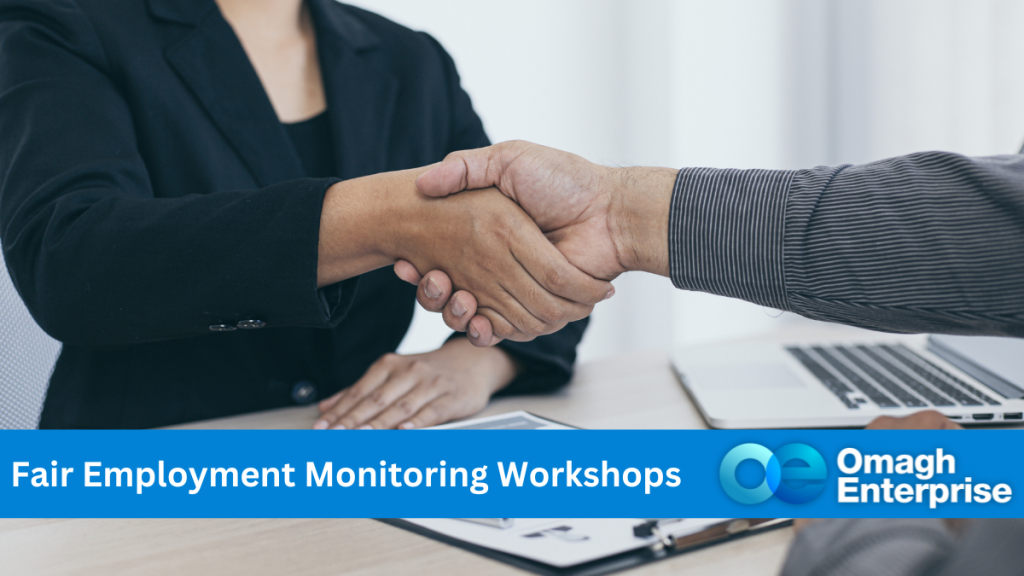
(360, 224)
(492, 366)
(639, 201)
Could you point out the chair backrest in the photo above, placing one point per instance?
(27, 356)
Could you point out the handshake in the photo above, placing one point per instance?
(547, 231)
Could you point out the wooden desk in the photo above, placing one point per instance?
(625, 392)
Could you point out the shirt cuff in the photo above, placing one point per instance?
(726, 232)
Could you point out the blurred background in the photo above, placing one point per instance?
(724, 83)
(727, 83)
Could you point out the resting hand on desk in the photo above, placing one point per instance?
(420, 390)
(598, 217)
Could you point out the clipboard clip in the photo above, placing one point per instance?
(720, 531)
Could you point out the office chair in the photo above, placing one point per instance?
(27, 356)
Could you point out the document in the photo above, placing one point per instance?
(518, 420)
(558, 542)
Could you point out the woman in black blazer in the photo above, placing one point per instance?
(198, 198)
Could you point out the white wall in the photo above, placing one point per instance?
(582, 75)
(728, 83)
(929, 75)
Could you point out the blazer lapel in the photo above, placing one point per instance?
(212, 62)
(361, 93)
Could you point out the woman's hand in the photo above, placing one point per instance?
(420, 390)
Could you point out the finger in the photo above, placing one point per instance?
(502, 329)
(444, 178)
(881, 423)
(406, 271)
(375, 375)
(438, 411)
(924, 420)
(397, 385)
(408, 405)
(480, 332)
(433, 291)
(530, 311)
(328, 403)
(460, 309)
(472, 169)
(513, 321)
(555, 274)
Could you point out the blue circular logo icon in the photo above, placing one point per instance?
(794, 473)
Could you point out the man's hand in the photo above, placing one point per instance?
(605, 221)
(489, 246)
(567, 196)
(924, 420)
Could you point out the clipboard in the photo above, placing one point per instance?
(660, 543)
(664, 548)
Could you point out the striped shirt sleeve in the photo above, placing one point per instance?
(929, 242)
(906, 547)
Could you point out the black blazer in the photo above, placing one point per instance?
(155, 218)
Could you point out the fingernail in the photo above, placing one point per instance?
(407, 426)
(339, 427)
(610, 293)
(457, 308)
(432, 289)
(321, 425)
(366, 427)
(473, 332)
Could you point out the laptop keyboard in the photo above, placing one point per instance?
(887, 376)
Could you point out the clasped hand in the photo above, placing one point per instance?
(604, 221)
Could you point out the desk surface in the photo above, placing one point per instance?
(637, 391)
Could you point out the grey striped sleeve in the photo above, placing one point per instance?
(906, 547)
(868, 547)
(929, 242)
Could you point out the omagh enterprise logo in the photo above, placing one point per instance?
(795, 473)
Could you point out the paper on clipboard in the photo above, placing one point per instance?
(557, 542)
(560, 542)
(518, 420)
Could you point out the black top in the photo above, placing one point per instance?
(157, 221)
(312, 141)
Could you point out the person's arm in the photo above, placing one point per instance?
(928, 242)
(100, 261)
(869, 547)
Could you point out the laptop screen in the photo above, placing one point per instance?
(995, 362)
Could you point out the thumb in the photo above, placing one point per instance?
(444, 178)
(470, 170)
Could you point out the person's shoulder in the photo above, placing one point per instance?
(67, 18)
(380, 25)
(395, 38)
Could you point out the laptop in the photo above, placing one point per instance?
(818, 384)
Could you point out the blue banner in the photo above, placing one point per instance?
(490, 473)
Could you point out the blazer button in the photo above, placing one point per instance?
(251, 324)
(222, 328)
(303, 392)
